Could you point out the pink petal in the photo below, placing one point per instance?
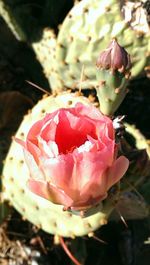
(95, 115)
(48, 131)
(36, 128)
(19, 141)
(87, 111)
(32, 154)
(30, 147)
(34, 169)
(89, 166)
(58, 171)
(87, 169)
(33, 150)
(34, 132)
(96, 186)
(49, 192)
(48, 149)
(87, 202)
(117, 171)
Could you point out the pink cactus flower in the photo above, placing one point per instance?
(72, 157)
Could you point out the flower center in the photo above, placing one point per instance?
(72, 132)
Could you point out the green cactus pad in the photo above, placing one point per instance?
(45, 52)
(44, 214)
(86, 31)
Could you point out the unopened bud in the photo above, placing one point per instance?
(114, 58)
(112, 77)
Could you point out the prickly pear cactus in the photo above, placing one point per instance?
(87, 29)
(44, 214)
(45, 52)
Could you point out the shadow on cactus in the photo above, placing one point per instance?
(28, 18)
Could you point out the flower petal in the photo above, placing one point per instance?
(19, 141)
(34, 169)
(49, 192)
(59, 172)
(33, 150)
(89, 166)
(116, 172)
(48, 149)
(94, 114)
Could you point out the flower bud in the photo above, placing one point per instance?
(114, 58)
(112, 77)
